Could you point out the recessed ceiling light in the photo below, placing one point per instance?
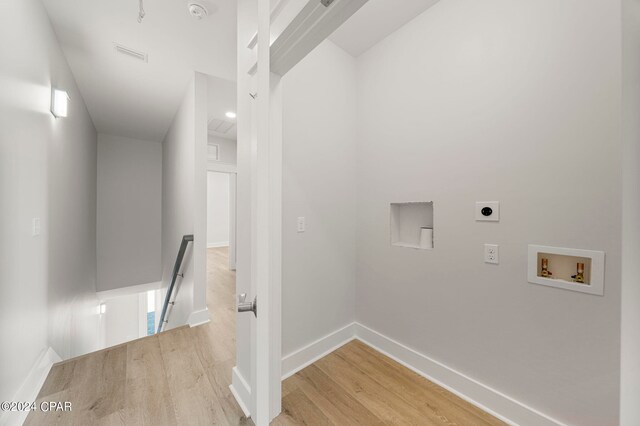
(231, 114)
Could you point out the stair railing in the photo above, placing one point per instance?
(174, 276)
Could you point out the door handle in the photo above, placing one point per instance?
(244, 306)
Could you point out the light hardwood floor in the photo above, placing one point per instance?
(182, 377)
(179, 377)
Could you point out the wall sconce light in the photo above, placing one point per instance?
(102, 308)
(59, 103)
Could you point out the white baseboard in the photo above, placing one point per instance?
(482, 396)
(241, 391)
(220, 244)
(309, 354)
(293, 362)
(31, 386)
(198, 318)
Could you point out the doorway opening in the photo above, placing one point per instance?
(221, 227)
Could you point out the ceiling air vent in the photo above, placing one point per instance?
(220, 126)
(132, 53)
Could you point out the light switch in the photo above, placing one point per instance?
(302, 225)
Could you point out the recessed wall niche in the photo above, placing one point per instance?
(412, 225)
(570, 269)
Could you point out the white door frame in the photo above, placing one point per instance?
(266, 234)
(266, 180)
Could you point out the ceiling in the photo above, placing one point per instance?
(221, 99)
(138, 99)
(375, 21)
(133, 98)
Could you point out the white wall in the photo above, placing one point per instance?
(129, 212)
(227, 149)
(122, 318)
(217, 209)
(183, 191)
(497, 100)
(48, 171)
(318, 266)
(630, 327)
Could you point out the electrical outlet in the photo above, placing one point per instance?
(491, 253)
(35, 227)
(302, 225)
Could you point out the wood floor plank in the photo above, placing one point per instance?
(195, 400)
(413, 388)
(114, 419)
(212, 344)
(288, 386)
(59, 379)
(420, 389)
(304, 412)
(330, 398)
(219, 377)
(110, 383)
(148, 399)
(84, 391)
(39, 417)
(385, 404)
(284, 419)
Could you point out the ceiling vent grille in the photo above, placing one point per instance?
(132, 53)
(220, 126)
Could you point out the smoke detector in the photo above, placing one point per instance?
(198, 10)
